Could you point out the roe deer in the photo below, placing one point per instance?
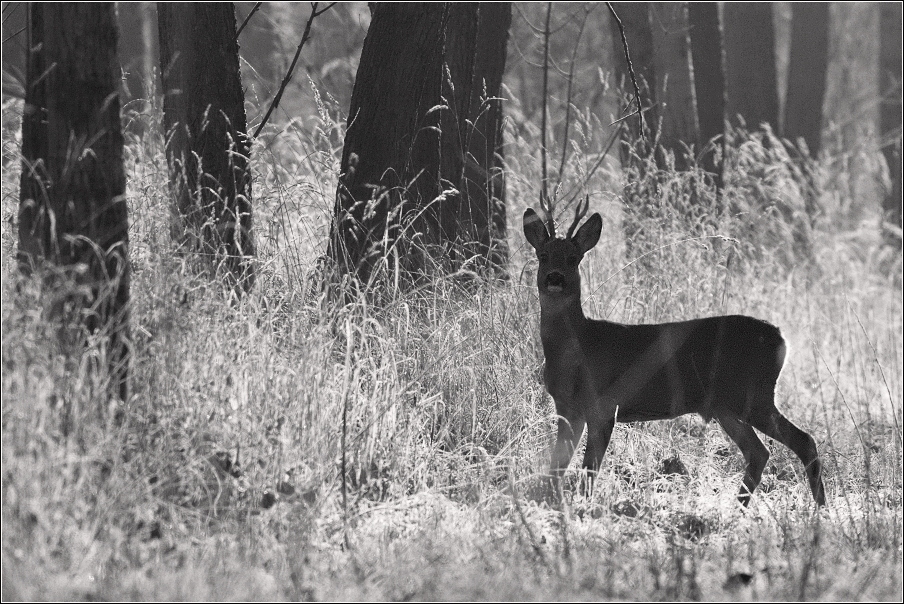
(598, 371)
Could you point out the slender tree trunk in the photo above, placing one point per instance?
(484, 182)
(403, 199)
(750, 72)
(674, 79)
(709, 83)
(890, 66)
(138, 49)
(207, 144)
(72, 205)
(807, 68)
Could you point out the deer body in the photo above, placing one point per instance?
(723, 368)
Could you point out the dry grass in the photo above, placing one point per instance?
(225, 481)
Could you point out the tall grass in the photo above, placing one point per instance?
(225, 481)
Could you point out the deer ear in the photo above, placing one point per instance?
(589, 233)
(535, 230)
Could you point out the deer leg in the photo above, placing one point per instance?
(755, 452)
(569, 433)
(777, 426)
(598, 434)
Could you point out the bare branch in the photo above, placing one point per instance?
(11, 36)
(574, 55)
(621, 29)
(285, 82)
(257, 6)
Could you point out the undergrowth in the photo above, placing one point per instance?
(226, 479)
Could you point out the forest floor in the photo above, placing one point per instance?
(225, 481)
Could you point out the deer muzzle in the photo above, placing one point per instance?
(555, 282)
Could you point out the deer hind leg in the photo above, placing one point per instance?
(755, 452)
(777, 426)
(598, 434)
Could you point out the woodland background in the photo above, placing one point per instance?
(220, 412)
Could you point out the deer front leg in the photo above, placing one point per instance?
(567, 437)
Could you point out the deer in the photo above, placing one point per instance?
(599, 372)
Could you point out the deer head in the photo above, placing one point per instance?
(558, 277)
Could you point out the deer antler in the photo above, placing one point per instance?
(548, 207)
(580, 211)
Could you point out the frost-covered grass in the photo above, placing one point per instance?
(225, 481)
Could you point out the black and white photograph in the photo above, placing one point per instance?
(452, 301)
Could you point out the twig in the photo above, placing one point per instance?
(544, 174)
(574, 55)
(621, 30)
(257, 6)
(11, 36)
(285, 82)
(7, 13)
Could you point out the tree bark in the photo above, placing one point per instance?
(72, 205)
(403, 196)
(750, 72)
(207, 146)
(674, 78)
(709, 84)
(809, 60)
(484, 183)
(890, 66)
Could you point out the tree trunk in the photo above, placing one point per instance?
(402, 197)
(138, 50)
(207, 144)
(674, 79)
(809, 60)
(890, 66)
(709, 84)
(72, 205)
(484, 183)
(453, 214)
(750, 73)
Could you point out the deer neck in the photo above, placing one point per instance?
(561, 323)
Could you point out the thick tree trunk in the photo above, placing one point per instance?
(484, 182)
(454, 231)
(709, 83)
(750, 72)
(72, 205)
(807, 68)
(674, 79)
(403, 199)
(890, 66)
(207, 144)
